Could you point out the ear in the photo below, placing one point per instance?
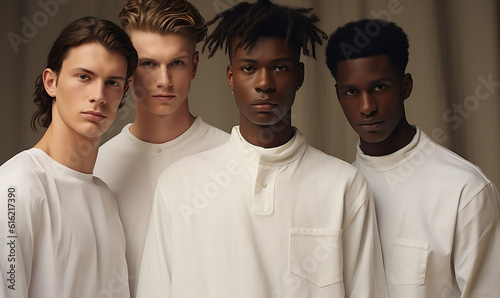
(407, 85)
(300, 79)
(127, 85)
(196, 59)
(337, 91)
(50, 81)
(229, 76)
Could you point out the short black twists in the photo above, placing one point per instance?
(263, 18)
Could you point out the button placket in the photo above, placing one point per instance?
(263, 197)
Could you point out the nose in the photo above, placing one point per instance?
(264, 81)
(98, 93)
(368, 104)
(163, 78)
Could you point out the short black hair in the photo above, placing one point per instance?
(365, 38)
(263, 18)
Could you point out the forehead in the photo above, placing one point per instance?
(265, 48)
(94, 56)
(371, 68)
(154, 42)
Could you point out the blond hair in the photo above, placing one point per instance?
(162, 16)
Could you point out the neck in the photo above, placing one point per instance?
(267, 136)
(158, 129)
(401, 136)
(72, 150)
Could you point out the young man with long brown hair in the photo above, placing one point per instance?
(59, 225)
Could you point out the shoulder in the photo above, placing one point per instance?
(198, 163)
(211, 132)
(454, 166)
(327, 163)
(334, 175)
(115, 143)
(98, 183)
(450, 174)
(337, 179)
(23, 166)
(24, 175)
(112, 155)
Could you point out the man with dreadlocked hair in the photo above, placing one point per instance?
(264, 215)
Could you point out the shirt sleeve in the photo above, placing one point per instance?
(476, 254)
(19, 217)
(364, 274)
(154, 274)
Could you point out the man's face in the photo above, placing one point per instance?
(87, 90)
(265, 78)
(167, 64)
(372, 95)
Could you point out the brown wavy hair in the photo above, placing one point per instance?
(81, 31)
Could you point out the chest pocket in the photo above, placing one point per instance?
(316, 255)
(409, 262)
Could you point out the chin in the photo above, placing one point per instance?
(373, 138)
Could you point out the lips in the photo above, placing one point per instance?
(94, 115)
(264, 105)
(164, 96)
(370, 124)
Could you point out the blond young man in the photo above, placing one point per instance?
(164, 34)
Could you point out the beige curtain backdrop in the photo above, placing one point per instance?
(454, 60)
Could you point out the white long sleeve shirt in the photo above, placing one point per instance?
(244, 221)
(439, 222)
(60, 231)
(131, 168)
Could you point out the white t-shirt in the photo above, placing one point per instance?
(60, 231)
(244, 221)
(131, 168)
(439, 222)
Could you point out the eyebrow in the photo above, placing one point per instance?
(374, 82)
(186, 56)
(82, 69)
(248, 60)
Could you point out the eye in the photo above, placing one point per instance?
(281, 67)
(351, 92)
(177, 63)
(380, 87)
(113, 83)
(247, 68)
(83, 77)
(147, 63)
